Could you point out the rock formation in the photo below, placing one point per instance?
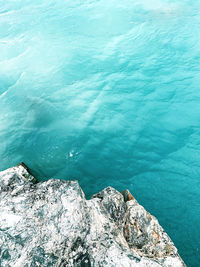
(52, 224)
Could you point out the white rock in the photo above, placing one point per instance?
(52, 224)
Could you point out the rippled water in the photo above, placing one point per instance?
(107, 92)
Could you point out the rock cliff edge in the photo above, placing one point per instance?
(52, 224)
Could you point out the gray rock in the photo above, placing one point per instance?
(52, 224)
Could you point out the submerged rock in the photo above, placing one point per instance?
(52, 224)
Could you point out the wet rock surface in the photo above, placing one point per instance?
(52, 224)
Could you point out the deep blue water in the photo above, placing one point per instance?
(107, 92)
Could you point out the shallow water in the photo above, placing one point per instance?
(107, 92)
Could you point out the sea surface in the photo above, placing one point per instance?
(107, 92)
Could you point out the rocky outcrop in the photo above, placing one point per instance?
(52, 224)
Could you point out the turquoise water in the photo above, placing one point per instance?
(107, 92)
